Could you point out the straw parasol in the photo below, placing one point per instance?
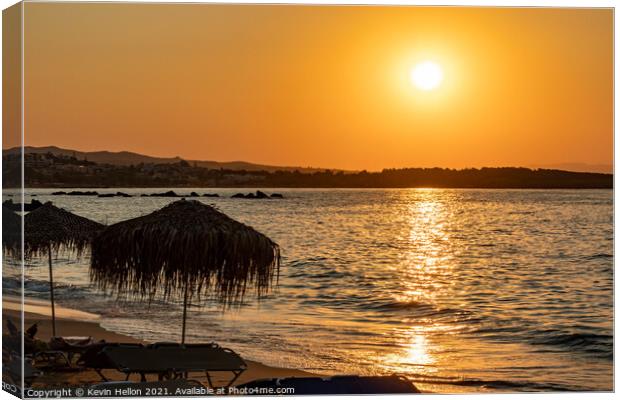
(11, 231)
(49, 228)
(186, 247)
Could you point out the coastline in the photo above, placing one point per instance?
(71, 322)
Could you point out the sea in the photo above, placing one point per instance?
(458, 290)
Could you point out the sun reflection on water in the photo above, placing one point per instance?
(426, 272)
(418, 352)
(414, 356)
(428, 257)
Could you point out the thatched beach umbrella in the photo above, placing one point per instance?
(48, 229)
(186, 248)
(11, 231)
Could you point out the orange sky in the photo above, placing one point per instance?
(322, 86)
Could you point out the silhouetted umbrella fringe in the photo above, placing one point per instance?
(11, 232)
(50, 226)
(48, 229)
(186, 244)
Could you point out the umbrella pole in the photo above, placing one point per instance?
(49, 249)
(184, 313)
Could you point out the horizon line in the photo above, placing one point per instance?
(609, 168)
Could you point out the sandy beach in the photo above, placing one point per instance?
(77, 323)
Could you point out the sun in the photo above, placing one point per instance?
(427, 75)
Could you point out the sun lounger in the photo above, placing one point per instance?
(63, 350)
(94, 358)
(175, 361)
(71, 345)
(335, 385)
(71, 341)
(52, 360)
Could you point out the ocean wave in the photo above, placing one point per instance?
(587, 340)
(9, 283)
(40, 289)
(592, 343)
(598, 256)
(399, 305)
(413, 305)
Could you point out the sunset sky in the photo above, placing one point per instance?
(322, 86)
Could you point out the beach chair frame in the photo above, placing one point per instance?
(168, 373)
(52, 359)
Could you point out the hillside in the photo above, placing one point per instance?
(126, 158)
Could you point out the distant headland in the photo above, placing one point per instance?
(52, 167)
